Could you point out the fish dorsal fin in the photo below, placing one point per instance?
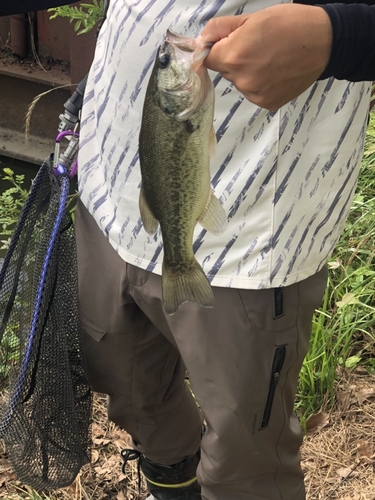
(150, 224)
(213, 217)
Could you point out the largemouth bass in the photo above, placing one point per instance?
(175, 143)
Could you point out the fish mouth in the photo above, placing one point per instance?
(182, 42)
(193, 79)
(174, 43)
(169, 48)
(191, 45)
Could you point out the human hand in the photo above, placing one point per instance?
(272, 55)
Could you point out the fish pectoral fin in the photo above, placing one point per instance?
(213, 218)
(149, 222)
(192, 286)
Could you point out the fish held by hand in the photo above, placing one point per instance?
(175, 145)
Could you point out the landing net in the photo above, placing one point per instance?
(45, 398)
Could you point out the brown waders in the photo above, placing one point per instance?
(243, 357)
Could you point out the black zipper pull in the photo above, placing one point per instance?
(278, 303)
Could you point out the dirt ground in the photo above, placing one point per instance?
(30, 63)
(337, 455)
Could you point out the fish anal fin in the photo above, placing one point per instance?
(191, 286)
(149, 222)
(213, 218)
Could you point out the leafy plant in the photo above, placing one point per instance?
(9, 351)
(85, 16)
(11, 202)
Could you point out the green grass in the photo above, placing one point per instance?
(343, 332)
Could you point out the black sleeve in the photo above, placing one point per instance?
(324, 2)
(10, 7)
(353, 44)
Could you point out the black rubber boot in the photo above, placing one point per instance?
(172, 482)
(168, 482)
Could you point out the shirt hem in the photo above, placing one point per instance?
(245, 283)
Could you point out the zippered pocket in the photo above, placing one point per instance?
(277, 364)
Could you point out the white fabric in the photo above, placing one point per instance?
(286, 179)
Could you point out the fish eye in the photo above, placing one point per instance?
(164, 60)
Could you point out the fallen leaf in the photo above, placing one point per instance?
(6, 476)
(102, 471)
(94, 456)
(5, 466)
(360, 370)
(348, 298)
(71, 490)
(364, 394)
(343, 399)
(317, 422)
(365, 449)
(346, 472)
(334, 264)
(100, 441)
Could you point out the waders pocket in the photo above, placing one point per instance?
(277, 364)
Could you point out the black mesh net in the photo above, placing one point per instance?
(45, 398)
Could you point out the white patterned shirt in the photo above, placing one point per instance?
(286, 179)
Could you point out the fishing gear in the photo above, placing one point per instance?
(45, 395)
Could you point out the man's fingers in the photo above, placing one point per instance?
(221, 32)
(220, 27)
(214, 60)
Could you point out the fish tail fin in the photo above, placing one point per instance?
(191, 286)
